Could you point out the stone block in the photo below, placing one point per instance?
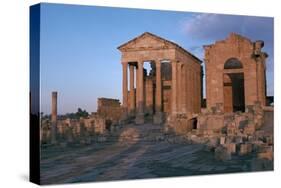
(245, 149)
(249, 128)
(215, 122)
(231, 147)
(266, 155)
(229, 139)
(269, 140)
(258, 145)
(222, 140)
(240, 121)
(231, 130)
(219, 108)
(208, 132)
(202, 122)
(250, 138)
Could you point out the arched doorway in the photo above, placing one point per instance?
(233, 88)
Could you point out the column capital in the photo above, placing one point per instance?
(124, 62)
(174, 61)
(158, 63)
(140, 62)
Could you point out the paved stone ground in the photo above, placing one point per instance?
(132, 157)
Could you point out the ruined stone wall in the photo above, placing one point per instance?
(235, 46)
(109, 109)
(192, 78)
(74, 130)
(215, 121)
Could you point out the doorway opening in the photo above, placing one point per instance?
(233, 86)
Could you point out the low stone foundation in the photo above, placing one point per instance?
(238, 133)
(178, 124)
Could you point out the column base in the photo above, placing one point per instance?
(139, 119)
(132, 113)
(158, 118)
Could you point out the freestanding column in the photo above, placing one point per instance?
(132, 89)
(158, 117)
(125, 85)
(54, 117)
(140, 99)
(174, 87)
(158, 87)
(183, 89)
(179, 88)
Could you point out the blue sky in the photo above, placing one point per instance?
(79, 56)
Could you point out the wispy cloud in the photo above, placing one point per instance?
(207, 28)
(216, 26)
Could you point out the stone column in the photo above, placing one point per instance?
(137, 85)
(140, 99)
(132, 89)
(174, 88)
(198, 92)
(193, 89)
(261, 82)
(188, 90)
(54, 118)
(125, 85)
(183, 89)
(158, 117)
(179, 87)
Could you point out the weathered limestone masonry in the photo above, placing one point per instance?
(235, 73)
(237, 133)
(173, 88)
(83, 130)
(110, 109)
(236, 120)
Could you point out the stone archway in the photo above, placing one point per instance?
(233, 86)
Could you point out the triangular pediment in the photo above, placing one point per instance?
(147, 41)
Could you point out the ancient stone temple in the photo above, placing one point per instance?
(235, 73)
(172, 86)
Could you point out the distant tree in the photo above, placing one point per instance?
(77, 115)
(81, 113)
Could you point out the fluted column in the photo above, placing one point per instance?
(132, 89)
(140, 94)
(125, 85)
(261, 82)
(179, 85)
(192, 88)
(187, 90)
(158, 87)
(183, 90)
(174, 88)
(158, 117)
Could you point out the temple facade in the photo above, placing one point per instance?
(172, 86)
